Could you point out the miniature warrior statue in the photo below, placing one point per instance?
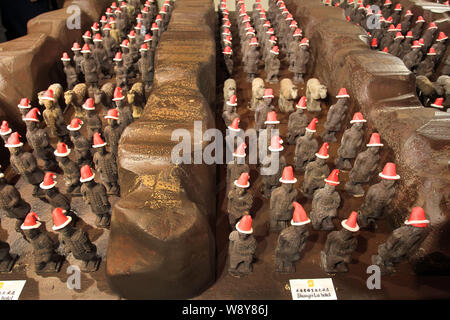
(429, 35)
(24, 163)
(113, 131)
(120, 71)
(145, 65)
(229, 89)
(93, 121)
(301, 60)
(39, 140)
(76, 241)
(69, 70)
(109, 43)
(339, 246)
(70, 169)
(11, 202)
(413, 57)
(94, 195)
(125, 111)
(105, 163)
(82, 147)
(350, 143)
(54, 118)
(293, 47)
(426, 67)
(24, 106)
(228, 57)
(89, 67)
(229, 112)
(45, 257)
(242, 248)
(315, 91)
(403, 242)
(263, 109)
(316, 172)
(251, 60)
(101, 57)
(396, 47)
(306, 147)
(272, 65)
(238, 166)
(257, 93)
(281, 201)
(5, 131)
(292, 241)
(51, 193)
(378, 197)
(128, 59)
(7, 261)
(297, 122)
(365, 165)
(336, 114)
(239, 200)
(272, 167)
(77, 59)
(325, 203)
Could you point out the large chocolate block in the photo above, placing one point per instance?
(162, 243)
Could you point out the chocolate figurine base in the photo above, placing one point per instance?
(6, 267)
(53, 267)
(91, 266)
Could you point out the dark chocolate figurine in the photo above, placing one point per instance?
(69, 70)
(257, 92)
(125, 111)
(239, 200)
(113, 131)
(297, 122)
(93, 121)
(413, 57)
(54, 118)
(7, 260)
(94, 194)
(316, 171)
(145, 65)
(105, 163)
(229, 113)
(39, 140)
(339, 246)
(70, 169)
(82, 147)
(228, 56)
(378, 197)
(12, 203)
(301, 60)
(128, 58)
(24, 163)
(396, 46)
(109, 43)
(52, 195)
(5, 131)
(272, 65)
(45, 257)
(89, 67)
(263, 109)
(238, 166)
(120, 71)
(403, 242)
(77, 59)
(101, 56)
(426, 67)
(251, 60)
(350, 142)
(24, 106)
(272, 167)
(292, 241)
(336, 114)
(281, 201)
(365, 165)
(306, 147)
(242, 248)
(325, 203)
(76, 241)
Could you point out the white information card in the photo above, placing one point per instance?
(313, 289)
(11, 290)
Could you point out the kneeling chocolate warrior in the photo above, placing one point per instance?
(242, 248)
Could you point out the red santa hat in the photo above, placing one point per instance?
(416, 44)
(98, 141)
(154, 26)
(89, 104)
(351, 223)
(139, 17)
(86, 48)
(299, 216)
(268, 93)
(232, 101)
(87, 35)
(432, 25)
(242, 182)
(24, 104)
(125, 43)
(358, 117)
(374, 140)
(271, 118)
(132, 34)
(32, 115)
(343, 92)
(31, 221)
(65, 57)
(14, 141)
(301, 104)
(5, 129)
(112, 114)
(245, 225)
(227, 50)
(312, 125)
(138, 26)
(75, 124)
(323, 151)
(234, 126)
(118, 94)
(148, 37)
(304, 42)
(144, 47)
(409, 34)
(399, 35)
(103, 19)
(275, 50)
(114, 5)
(76, 47)
(118, 56)
(442, 36)
(391, 27)
(417, 218)
(144, 10)
(333, 179)
(420, 19)
(227, 39)
(62, 150)
(240, 151)
(48, 182)
(273, 39)
(275, 144)
(385, 50)
(98, 37)
(408, 13)
(48, 95)
(431, 52)
(95, 26)
(387, 3)
(389, 172)
(297, 32)
(398, 7)
(288, 175)
(438, 103)
(253, 42)
(86, 173)
(60, 220)
(270, 31)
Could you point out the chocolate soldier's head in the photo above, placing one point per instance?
(86, 51)
(244, 227)
(374, 144)
(31, 119)
(118, 97)
(106, 30)
(62, 152)
(358, 121)
(118, 59)
(322, 155)
(287, 178)
(350, 226)
(242, 183)
(13, 144)
(31, 225)
(98, 143)
(65, 59)
(389, 175)
(87, 38)
(144, 50)
(48, 184)
(125, 45)
(61, 222)
(86, 175)
(98, 41)
(47, 99)
(76, 49)
(268, 96)
(304, 44)
(89, 106)
(112, 117)
(274, 52)
(332, 181)
(132, 37)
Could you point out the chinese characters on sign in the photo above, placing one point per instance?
(313, 289)
(10, 290)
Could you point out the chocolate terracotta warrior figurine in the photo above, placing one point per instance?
(403, 242)
(272, 167)
(125, 111)
(315, 92)
(413, 57)
(7, 260)
(257, 93)
(5, 131)
(24, 106)
(426, 67)
(89, 67)
(339, 246)
(82, 147)
(102, 57)
(120, 71)
(228, 57)
(301, 60)
(281, 201)
(51, 193)
(145, 65)
(316, 172)
(239, 200)
(229, 112)
(325, 203)
(365, 165)
(298, 122)
(109, 43)
(378, 197)
(292, 241)
(24, 163)
(105, 163)
(12, 203)
(251, 60)
(263, 109)
(306, 147)
(76, 241)
(272, 65)
(242, 248)
(94, 194)
(238, 166)
(93, 121)
(69, 70)
(46, 260)
(113, 131)
(350, 142)
(77, 59)
(54, 118)
(39, 140)
(336, 114)
(70, 169)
